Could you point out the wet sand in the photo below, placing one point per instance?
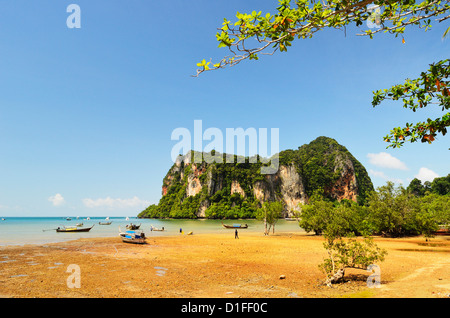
(283, 265)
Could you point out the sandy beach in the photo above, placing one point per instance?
(283, 265)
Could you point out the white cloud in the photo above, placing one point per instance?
(379, 174)
(426, 174)
(57, 200)
(112, 203)
(385, 160)
(382, 175)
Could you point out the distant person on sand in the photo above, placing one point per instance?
(236, 234)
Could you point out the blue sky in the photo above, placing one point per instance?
(86, 115)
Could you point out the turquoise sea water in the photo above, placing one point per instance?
(40, 230)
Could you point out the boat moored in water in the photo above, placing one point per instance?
(235, 226)
(74, 229)
(132, 226)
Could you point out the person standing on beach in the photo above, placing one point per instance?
(236, 234)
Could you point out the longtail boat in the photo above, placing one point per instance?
(235, 226)
(132, 226)
(443, 230)
(74, 229)
(133, 236)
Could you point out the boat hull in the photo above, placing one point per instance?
(235, 226)
(442, 232)
(75, 229)
(133, 237)
(133, 227)
(133, 241)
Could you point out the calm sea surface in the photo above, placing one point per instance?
(40, 230)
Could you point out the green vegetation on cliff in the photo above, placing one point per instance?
(238, 189)
(320, 164)
(216, 180)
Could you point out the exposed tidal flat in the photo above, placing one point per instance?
(215, 264)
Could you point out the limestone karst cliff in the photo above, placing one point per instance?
(236, 190)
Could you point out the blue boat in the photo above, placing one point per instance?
(135, 236)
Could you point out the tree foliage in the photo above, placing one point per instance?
(416, 188)
(322, 216)
(301, 19)
(396, 212)
(270, 213)
(390, 211)
(431, 88)
(440, 185)
(349, 253)
(253, 34)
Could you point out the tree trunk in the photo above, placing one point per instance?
(336, 277)
(265, 226)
